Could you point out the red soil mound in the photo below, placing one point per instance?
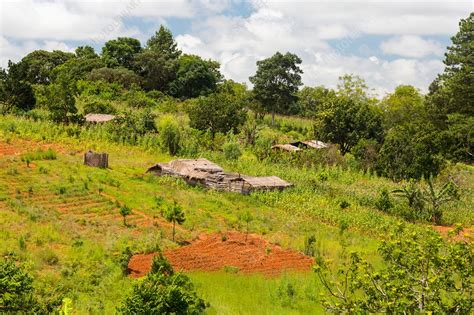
(214, 252)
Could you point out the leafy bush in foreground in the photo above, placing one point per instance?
(421, 274)
(163, 292)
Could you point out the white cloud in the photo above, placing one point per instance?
(411, 46)
(16, 51)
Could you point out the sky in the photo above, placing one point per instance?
(386, 42)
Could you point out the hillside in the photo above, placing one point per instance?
(63, 217)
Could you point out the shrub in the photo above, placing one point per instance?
(231, 149)
(163, 292)
(16, 289)
(383, 202)
(169, 134)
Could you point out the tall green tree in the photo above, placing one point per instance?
(15, 92)
(345, 121)
(311, 100)
(195, 77)
(120, 52)
(276, 82)
(61, 102)
(39, 65)
(405, 104)
(158, 62)
(218, 112)
(163, 42)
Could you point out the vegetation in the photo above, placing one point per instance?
(394, 168)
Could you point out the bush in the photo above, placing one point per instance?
(169, 134)
(139, 99)
(264, 141)
(16, 289)
(383, 202)
(96, 106)
(163, 292)
(231, 149)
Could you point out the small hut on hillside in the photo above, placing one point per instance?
(300, 145)
(99, 118)
(208, 174)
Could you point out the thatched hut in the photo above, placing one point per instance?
(99, 118)
(285, 147)
(208, 174)
(314, 144)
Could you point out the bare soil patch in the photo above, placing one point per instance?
(214, 252)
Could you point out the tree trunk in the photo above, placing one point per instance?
(273, 118)
(174, 231)
(124, 221)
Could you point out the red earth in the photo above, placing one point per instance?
(248, 254)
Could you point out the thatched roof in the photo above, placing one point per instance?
(197, 168)
(286, 147)
(99, 118)
(266, 182)
(316, 144)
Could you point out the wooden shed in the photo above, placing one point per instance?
(96, 159)
(314, 144)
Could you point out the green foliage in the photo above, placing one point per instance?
(246, 217)
(174, 213)
(311, 100)
(345, 121)
(366, 153)
(15, 93)
(170, 134)
(232, 149)
(383, 202)
(122, 76)
(120, 52)
(195, 77)
(309, 245)
(157, 70)
(219, 112)
(421, 274)
(39, 155)
(61, 102)
(95, 106)
(124, 212)
(276, 82)
(139, 99)
(16, 288)
(163, 292)
(409, 152)
(436, 197)
(163, 43)
(39, 65)
(403, 105)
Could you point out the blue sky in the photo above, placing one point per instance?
(386, 42)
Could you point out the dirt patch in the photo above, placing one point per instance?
(233, 250)
(464, 235)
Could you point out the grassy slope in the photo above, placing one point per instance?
(66, 216)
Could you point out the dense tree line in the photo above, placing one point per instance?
(403, 135)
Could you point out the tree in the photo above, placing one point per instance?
(120, 52)
(311, 100)
(15, 93)
(421, 274)
(450, 102)
(353, 87)
(85, 52)
(410, 151)
(195, 77)
(16, 288)
(61, 102)
(157, 70)
(122, 76)
(164, 44)
(219, 112)
(405, 104)
(345, 122)
(246, 217)
(276, 82)
(163, 292)
(124, 212)
(39, 65)
(174, 213)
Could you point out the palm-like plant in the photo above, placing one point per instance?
(413, 195)
(436, 197)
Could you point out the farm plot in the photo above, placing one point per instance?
(234, 251)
